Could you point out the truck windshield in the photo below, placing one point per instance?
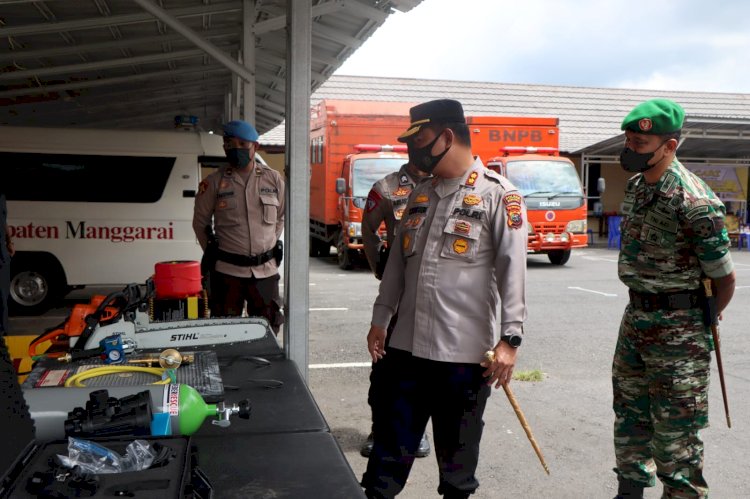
(367, 171)
(544, 178)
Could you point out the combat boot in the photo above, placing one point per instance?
(629, 489)
(424, 447)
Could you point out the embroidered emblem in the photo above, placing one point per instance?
(399, 213)
(404, 180)
(402, 191)
(645, 124)
(222, 205)
(512, 198)
(515, 220)
(462, 227)
(460, 246)
(223, 184)
(472, 199)
(422, 198)
(472, 179)
(202, 187)
(373, 198)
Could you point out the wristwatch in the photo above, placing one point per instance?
(513, 340)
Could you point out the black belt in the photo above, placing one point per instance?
(244, 260)
(681, 300)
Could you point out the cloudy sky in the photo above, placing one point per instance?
(658, 44)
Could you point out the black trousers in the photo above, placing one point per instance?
(229, 293)
(411, 390)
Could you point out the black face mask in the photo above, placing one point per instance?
(422, 157)
(238, 157)
(637, 162)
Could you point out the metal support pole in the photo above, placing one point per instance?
(248, 59)
(297, 166)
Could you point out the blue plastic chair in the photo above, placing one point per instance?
(743, 236)
(613, 237)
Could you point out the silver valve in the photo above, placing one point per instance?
(225, 412)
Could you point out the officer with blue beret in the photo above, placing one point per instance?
(672, 239)
(244, 202)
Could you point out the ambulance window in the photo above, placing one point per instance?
(84, 178)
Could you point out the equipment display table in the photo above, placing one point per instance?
(285, 449)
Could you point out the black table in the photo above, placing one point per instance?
(285, 449)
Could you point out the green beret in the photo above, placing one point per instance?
(655, 117)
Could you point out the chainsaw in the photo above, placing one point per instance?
(126, 314)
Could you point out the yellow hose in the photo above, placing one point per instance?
(76, 379)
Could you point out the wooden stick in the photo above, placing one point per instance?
(490, 356)
(717, 349)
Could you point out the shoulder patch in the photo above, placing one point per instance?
(202, 187)
(373, 199)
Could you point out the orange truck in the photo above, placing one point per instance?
(352, 146)
(526, 151)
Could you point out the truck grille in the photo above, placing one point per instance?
(547, 227)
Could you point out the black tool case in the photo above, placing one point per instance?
(29, 469)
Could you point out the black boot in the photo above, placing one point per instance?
(424, 447)
(366, 448)
(629, 489)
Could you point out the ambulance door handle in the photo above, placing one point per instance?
(188, 193)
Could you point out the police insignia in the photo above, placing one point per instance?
(472, 199)
(373, 198)
(404, 180)
(460, 246)
(399, 213)
(222, 205)
(406, 241)
(645, 124)
(462, 227)
(472, 179)
(515, 220)
(202, 187)
(401, 191)
(422, 198)
(512, 198)
(223, 184)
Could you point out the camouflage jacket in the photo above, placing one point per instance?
(672, 233)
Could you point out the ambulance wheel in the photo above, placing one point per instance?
(343, 254)
(559, 257)
(36, 283)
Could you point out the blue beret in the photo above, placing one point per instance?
(655, 117)
(241, 130)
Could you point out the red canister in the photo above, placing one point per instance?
(177, 279)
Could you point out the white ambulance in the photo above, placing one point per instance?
(98, 207)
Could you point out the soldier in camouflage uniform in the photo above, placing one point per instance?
(673, 236)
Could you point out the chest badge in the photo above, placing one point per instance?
(460, 246)
(399, 213)
(472, 200)
(462, 227)
(422, 198)
(402, 191)
(406, 242)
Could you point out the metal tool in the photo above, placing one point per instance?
(489, 355)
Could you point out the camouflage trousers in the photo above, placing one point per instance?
(660, 377)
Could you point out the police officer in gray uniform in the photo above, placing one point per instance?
(459, 251)
(385, 203)
(246, 202)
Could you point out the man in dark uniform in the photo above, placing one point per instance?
(246, 202)
(460, 248)
(673, 237)
(6, 252)
(385, 203)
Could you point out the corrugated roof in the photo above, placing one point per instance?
(587, 115)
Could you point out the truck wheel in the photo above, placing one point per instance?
(35, 285)
(343, 254)
(559, 257)
(318, 247)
